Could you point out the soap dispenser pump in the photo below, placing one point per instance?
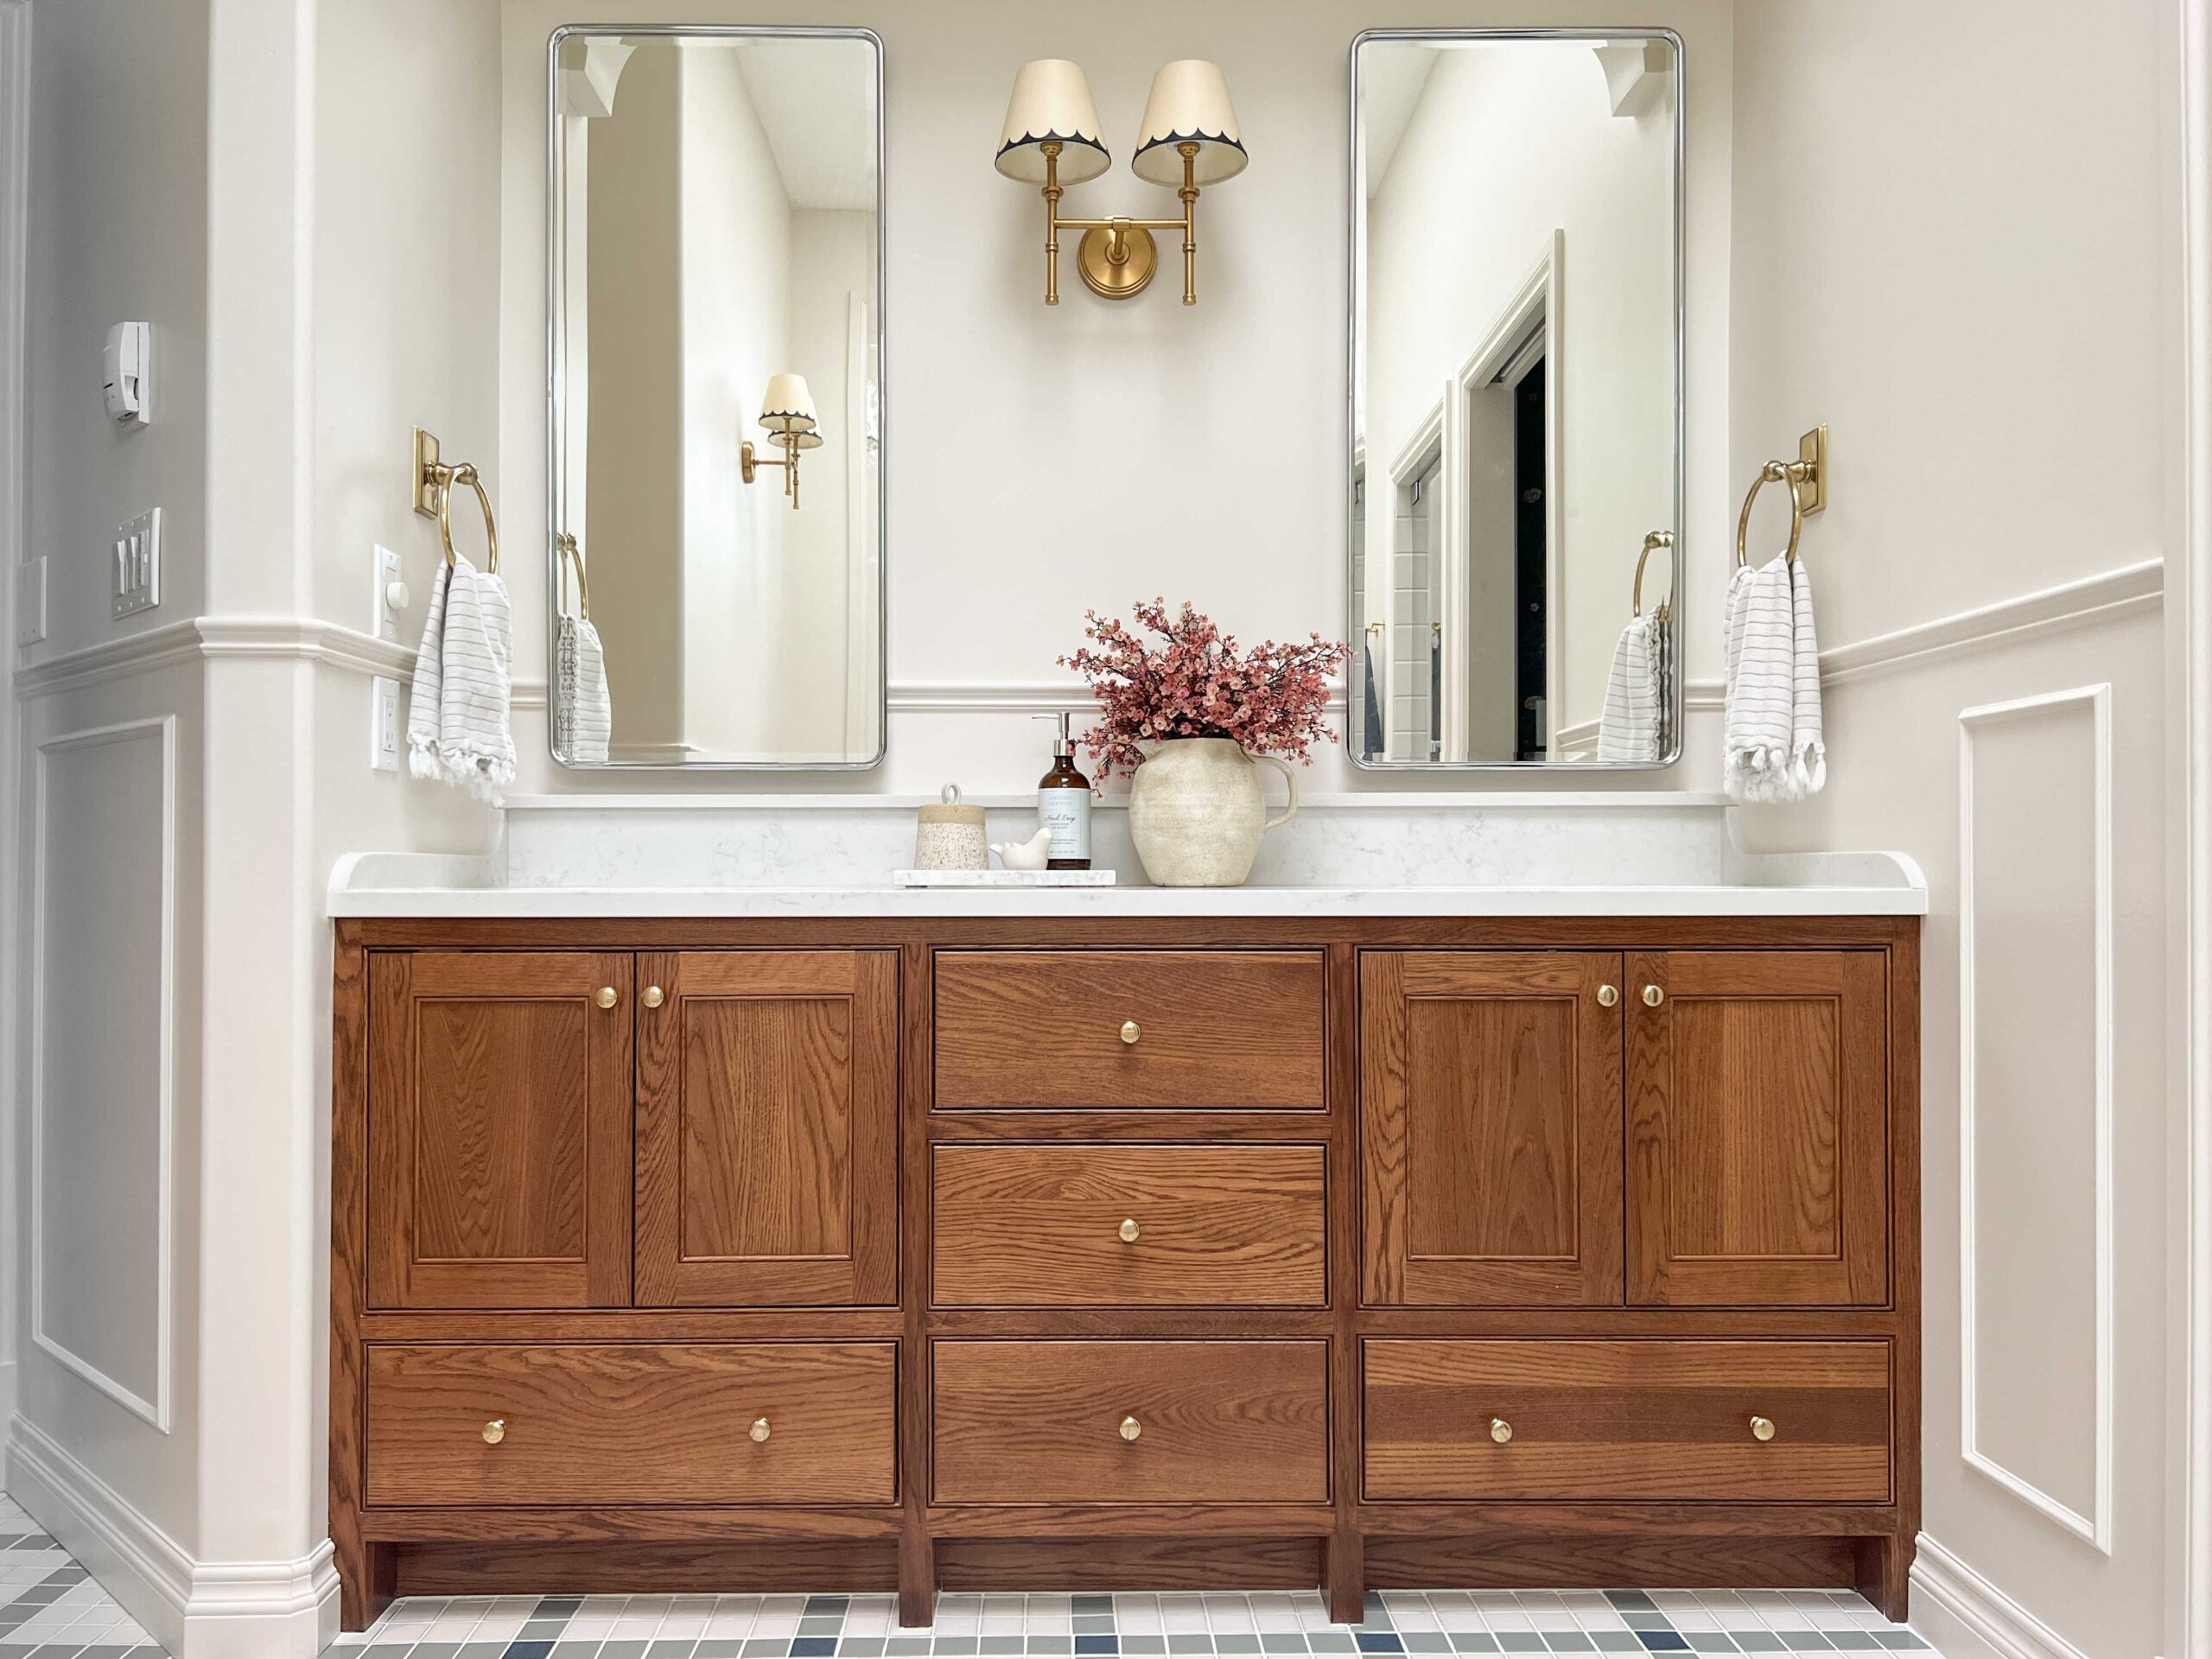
(1064, 803)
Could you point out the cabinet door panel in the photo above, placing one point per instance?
(498, 1130)
(768, 1123)
(1490, 1137)
(1759, 1128)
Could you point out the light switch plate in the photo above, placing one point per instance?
(136, 565)
(30, 602)
(383, 568)
(383, 725)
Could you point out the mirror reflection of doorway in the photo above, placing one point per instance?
(1531, 561)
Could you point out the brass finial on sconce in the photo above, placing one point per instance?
(787, 411)
(1190, 137)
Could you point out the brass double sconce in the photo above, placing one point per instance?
(787, 412)
(1190, 137)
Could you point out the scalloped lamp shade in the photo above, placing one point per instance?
(1052, 101)
(1189, 104)
(788, 406)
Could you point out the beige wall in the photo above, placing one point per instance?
(1981, 300)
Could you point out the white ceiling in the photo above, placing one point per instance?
(817, 103)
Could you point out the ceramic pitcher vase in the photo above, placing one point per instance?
(1197, 811)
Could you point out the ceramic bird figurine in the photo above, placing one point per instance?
(1026, 855)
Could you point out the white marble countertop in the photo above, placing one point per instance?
(1398, 854)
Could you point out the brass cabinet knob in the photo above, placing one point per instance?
(1131, 1428)
(653, 997)
(495, 1431)
(1128, 1231)
(1608, 995)
(1653, 996)
(1500, 1430)
(1762, 1428)
(1130, 1032)
(609, 996)
(760, 1430)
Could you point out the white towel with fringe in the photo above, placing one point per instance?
(583, 713)
(457, 730)
(1630, 727)
(1771, 725)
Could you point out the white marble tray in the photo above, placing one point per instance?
(1001, 878)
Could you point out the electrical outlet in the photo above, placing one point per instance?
(30, 602)
(136, 566)
(388, 596)
(383, 725)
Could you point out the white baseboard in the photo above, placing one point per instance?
(197, 1610)
(1964, 1616)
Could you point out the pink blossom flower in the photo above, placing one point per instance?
(1196, 684)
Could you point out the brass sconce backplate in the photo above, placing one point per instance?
(1140, 258)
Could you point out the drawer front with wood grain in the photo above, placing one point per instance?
(1068, 1226)
(1132, 1423)
(725, 1423)
(1141, 1030)
(1760, 1421)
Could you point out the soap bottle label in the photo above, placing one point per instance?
(1066, 812)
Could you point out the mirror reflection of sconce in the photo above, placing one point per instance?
(1190, 137)
(787, 412)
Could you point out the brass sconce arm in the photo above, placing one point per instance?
(749, 461)
(1116, 256)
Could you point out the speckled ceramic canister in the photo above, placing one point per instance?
(950, 836)
(1197, 811)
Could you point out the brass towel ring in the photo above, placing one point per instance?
(565, 551)
(445, 479)
(1657, 538)
(1792, 473)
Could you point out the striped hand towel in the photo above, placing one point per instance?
(457, 712)
(1630, 728)
(1771, 726)
(583, 714)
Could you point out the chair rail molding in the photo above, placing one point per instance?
(2095, 1528)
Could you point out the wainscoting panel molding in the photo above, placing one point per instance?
(77, 899)
(2030, 891)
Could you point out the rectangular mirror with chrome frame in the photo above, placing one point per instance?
(1517, 422)
(714, 291)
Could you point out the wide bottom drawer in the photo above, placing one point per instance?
(721, 1423)
(1128, 1422)
(1769, 1421)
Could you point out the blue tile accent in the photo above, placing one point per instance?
(808, 1647)
(1096, 1644)
(528, 1649)
(1380, 1641)
(1663, 1642)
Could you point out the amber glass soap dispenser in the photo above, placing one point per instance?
(1063, 805)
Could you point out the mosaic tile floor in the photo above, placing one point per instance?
(1805, 1622)
(49, 1605)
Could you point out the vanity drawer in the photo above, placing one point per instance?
(1047, 1422)
(1629, 1419)
(1130, 1226)
(631, 1423)
(1072, 1030)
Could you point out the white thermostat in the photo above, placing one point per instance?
(126, 373)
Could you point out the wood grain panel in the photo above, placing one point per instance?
(1039, 1226)
(1758, 1128)
(1532, 1560)
(1222, 1422)
(499, 1132)
(767, 1129)
(705, 1564)
(632, 1424)
(1628, 1420)
(1042, 1029)
(1490, 1111)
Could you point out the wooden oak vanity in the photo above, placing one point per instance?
(789, 1255)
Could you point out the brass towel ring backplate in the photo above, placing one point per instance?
(434, 482)
(1808, 479)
